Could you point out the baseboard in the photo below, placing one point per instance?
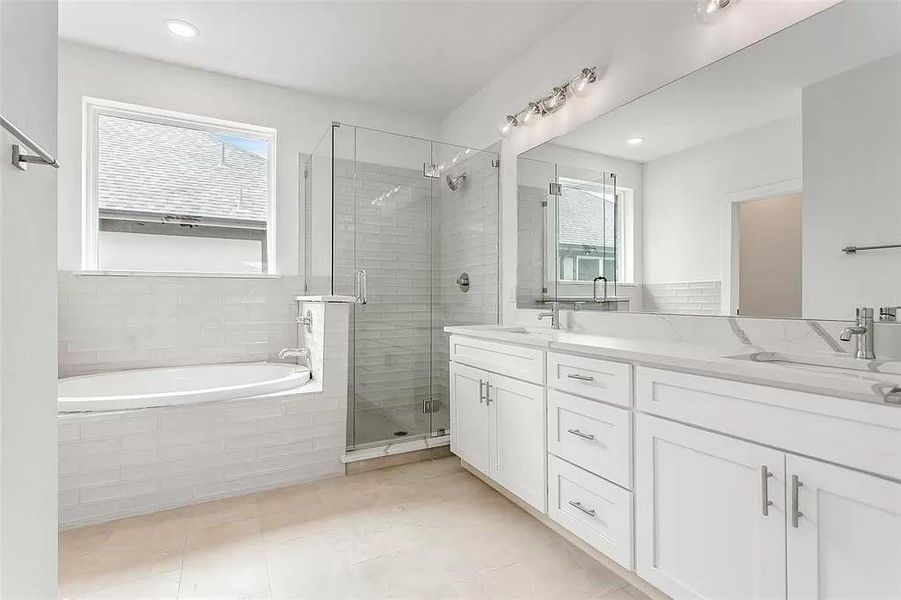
(633, 579)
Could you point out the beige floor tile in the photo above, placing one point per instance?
(418, 531)
(157, 587)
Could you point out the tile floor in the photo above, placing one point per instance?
(424, 530)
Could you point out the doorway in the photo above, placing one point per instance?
(769, 257)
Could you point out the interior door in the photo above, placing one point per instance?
(709, 514)
(517, 427)
(470, 416)
(844, 533)
(391, 221)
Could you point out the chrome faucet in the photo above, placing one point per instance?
(864, 332)
(294, 353)
(554, 314)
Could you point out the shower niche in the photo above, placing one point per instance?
(393, 221)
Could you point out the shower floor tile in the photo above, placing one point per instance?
(423, 530)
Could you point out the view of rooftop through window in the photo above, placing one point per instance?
(586, 221)
(180, 197)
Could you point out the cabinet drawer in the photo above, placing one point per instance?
(514, 361)
(599, 379)
(594, 436)
(597, 511)
(863, 435)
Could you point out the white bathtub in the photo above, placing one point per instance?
(145, 388)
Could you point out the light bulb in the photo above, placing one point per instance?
(528, 115)
(181, 28)
(708, 10)
(580, 84)
(507, 126)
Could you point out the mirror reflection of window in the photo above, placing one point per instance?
(586, 231)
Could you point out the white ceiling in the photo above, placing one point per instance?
(425, 57)
(755, 86)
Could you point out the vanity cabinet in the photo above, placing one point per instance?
(497, 426)
(706, 488)
(844, 533)
(719, 517)
(710, 513)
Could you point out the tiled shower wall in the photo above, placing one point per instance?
(467, 225)
(413, 236)
(110, 323)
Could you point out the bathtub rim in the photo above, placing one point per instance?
(305, 387)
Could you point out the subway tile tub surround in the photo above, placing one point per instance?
(111, 323)
(123, 463)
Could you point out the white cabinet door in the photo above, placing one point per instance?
(701, 531)
(469, 416)
(518, 449)
(846, 541)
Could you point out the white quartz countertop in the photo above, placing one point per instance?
(868, 381)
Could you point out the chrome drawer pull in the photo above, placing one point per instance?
(766, 503)
(481, 391)
(796, 514)
(577, 433)
(580, 377)
(588, 511)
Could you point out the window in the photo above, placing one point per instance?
(174, 192)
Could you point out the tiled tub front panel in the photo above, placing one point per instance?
(114, 465)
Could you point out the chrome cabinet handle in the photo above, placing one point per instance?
(765, 502)
(588, 511)
(796, 514)
(580, 377)
(577, 433)
(361, 287)
(487, 393)
(481, 392)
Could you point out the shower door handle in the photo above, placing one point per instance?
(361, 287)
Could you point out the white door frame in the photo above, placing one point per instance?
(730, 233)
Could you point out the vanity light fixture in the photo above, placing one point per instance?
(182, 28)
(551, 103)
(635, 141)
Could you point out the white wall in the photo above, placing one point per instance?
(685, 194)
(300, 118)
(852, 156)
(636, 53)
(28, 530)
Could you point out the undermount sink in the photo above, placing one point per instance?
(841, 362)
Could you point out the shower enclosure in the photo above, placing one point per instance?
(409, 228)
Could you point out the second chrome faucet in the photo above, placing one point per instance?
(863, 331)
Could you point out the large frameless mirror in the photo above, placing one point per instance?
(767, 184)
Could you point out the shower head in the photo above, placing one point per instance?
(454, 182)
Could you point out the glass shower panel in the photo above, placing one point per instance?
(536, 280)
(317, 217)
(391, 228)
(465, 251)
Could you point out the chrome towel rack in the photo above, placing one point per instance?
(20, 159)
(856, 249)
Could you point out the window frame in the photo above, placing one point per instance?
(94, 108)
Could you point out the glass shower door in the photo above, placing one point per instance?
(389, 219)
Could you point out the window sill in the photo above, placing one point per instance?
(92, 273)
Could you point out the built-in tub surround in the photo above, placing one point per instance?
(118, 463)
(111, 323)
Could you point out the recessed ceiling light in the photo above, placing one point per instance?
(181, 28)
(634, 141)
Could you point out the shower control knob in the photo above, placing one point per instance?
(463, 281)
